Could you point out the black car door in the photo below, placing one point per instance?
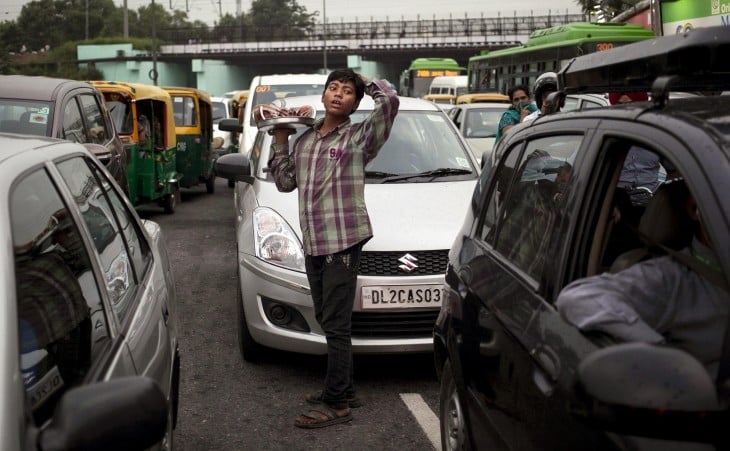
(501, 265)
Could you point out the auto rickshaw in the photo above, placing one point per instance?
(193, 112)
(152, 170)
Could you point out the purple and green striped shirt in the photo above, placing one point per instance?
(330, 174)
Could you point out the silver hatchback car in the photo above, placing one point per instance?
(417, 192)
(89, 347)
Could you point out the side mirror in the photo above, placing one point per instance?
(230, 125)
(653, 391)
(128, 413)
(234, 166)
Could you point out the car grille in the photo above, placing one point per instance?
(413, 324)
(387, 264)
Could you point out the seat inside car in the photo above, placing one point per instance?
(664, 223)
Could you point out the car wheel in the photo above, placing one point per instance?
(250, 350)
(451, 413)
(210, 184)
(169, 202)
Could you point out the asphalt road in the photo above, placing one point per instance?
(229, 404)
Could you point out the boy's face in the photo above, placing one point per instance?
(339, 98)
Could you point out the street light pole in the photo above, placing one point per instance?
(153, 73)
(324, 34)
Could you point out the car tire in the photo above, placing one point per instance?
(210, 184)
(250, 350)
(454, 435)
(169, 202)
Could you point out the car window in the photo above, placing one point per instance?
(184, 110)
(570, 104)
(72, 127)
(482, 123)
(588, 104)
(528, 209)
(61, 321)
(112, 249)
(99, 129)
(120, 111)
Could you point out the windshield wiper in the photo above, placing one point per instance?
(379, 174)
(436, 173)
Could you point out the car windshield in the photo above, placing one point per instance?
(482, 123)
(422, 147)
(26, 117)
(219, 111)
(269, 93)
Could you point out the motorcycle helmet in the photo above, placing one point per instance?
(545, 82)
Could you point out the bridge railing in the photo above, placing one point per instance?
(504, 28)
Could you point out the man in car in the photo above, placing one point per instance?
(680, 299)
(327, 165)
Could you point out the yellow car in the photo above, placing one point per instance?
(482, 97)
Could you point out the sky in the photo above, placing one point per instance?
(348, 10)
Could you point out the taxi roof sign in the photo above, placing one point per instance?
(693, 61)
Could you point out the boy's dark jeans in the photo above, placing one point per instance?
(332, 280)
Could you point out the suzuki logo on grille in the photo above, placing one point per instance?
(409, 263)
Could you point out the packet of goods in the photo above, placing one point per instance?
(269, 111)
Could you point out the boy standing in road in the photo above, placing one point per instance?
(328, 166)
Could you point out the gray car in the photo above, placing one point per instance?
(90, 346)
(66, 109)
(417, 192)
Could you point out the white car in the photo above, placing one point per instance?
(221, 110)
(268, 88)
(89, 345)
(478, 123)
(417, 192)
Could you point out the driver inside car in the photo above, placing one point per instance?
(679, 299)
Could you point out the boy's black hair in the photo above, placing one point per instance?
(345, 75)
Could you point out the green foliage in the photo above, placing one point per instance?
(47, 32)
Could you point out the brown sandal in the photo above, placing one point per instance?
(322, 417)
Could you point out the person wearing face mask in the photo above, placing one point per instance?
(521, 108)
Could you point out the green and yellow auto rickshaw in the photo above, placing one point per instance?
(193, 112)
(143, 116)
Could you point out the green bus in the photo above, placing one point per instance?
(415, 80)
(547, 50)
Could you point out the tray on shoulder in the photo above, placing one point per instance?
(285, 122)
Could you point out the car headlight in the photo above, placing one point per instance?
(275, 242)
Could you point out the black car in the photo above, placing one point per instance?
(66, 109)
(515, 372)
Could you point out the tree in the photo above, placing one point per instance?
(605, 10)
(280, 19)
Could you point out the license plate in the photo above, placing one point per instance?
(402, 296)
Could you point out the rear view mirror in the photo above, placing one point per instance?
(128, 413)
(645, 390)
(230, 125)
(234, 166)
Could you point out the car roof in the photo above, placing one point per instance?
(482, 97)
(36, 87)
(19, 146)
(483, 106)
(712, 113)
(406, 103)
(291, 79)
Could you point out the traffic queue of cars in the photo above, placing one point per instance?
(464, 263)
